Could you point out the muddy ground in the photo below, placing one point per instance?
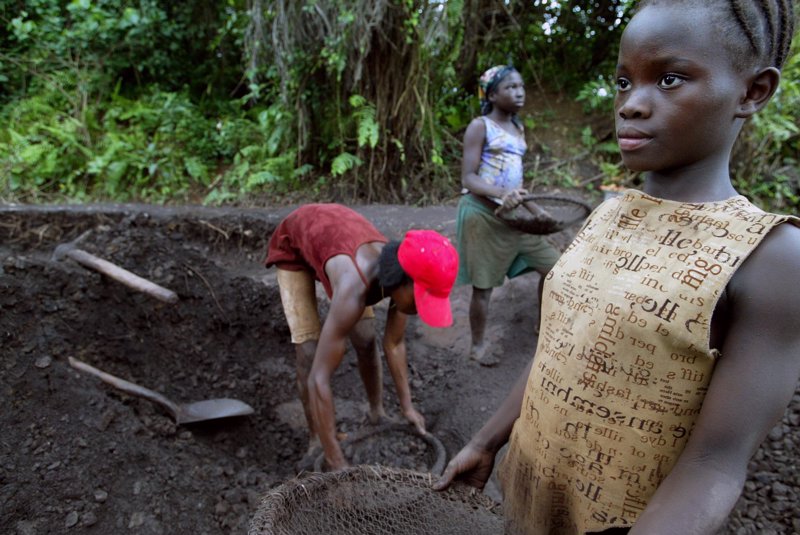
(77, 456)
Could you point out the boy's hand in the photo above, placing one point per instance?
(416, 419)
(339, 464)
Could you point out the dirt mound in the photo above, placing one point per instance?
(78, 456)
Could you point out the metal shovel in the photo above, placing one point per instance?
(183, 413)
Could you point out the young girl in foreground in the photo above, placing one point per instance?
(669, 343)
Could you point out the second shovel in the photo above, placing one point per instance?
(182, 413)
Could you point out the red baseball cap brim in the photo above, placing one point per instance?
(433, 309)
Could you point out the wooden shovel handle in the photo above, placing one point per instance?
(125, 386)
(123, 275)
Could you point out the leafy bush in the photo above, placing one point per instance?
(174, 44)
(172, 101)
(765, 164)
(156, 148)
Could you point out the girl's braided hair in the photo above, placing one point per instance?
(768, 26)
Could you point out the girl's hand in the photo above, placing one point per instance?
(513, 198)
(472, 465)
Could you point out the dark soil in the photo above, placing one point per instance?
(77, 456)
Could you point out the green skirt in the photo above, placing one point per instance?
(489, 250)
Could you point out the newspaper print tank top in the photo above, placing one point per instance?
(623, 360)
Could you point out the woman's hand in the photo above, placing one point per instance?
(513, 198)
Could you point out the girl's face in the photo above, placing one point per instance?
(509, 95)
(677, 92)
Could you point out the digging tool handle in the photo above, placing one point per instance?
(125, 386)
(123, 275)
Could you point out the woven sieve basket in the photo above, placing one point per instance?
(374, 500)
(551, 213)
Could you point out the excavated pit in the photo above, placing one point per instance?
(78, 456)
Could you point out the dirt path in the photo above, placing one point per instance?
(77, 456)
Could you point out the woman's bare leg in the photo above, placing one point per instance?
(481, 350)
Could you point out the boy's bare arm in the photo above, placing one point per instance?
(753, 383)
(394, 347)
(346, 309)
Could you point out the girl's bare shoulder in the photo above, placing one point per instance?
(478, 123)
(476, 130)
(774, 267)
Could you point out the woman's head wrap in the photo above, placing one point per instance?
(488, 83)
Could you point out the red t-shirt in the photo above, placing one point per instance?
(313, 233)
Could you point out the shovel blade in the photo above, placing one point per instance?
(211, 409)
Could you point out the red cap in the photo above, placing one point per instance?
(432, 263)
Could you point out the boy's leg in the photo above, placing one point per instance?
(299, 300)
(478, 314)
(304, 357)
(369, 365)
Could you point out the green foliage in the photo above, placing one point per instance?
(80, 123)
(92, 40)
(765, 163)
(343, 163)
(131, 153)
(364, 117)
(260, 159)
(172, 101)
(178, 45)
(156, 148)
(597, 96)
(557, 43)
(366, 78)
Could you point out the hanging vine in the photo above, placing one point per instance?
(324, 52)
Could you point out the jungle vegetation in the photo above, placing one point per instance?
(242, 101)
